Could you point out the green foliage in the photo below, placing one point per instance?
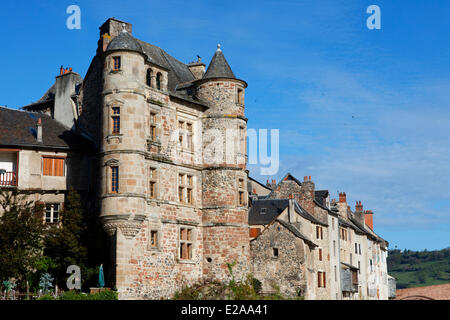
(419, 268)
(249, 289)
(74, 295)
(21, 235)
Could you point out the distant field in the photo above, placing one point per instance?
(419, 269)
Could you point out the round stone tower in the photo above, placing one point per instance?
(225, 197)
(123, 191)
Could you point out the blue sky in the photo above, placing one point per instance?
(361, 111)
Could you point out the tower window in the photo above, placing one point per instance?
(117, 63)
(275, 252)
(320, 254)
(158, 80)
(241, 193)
(153, 121)
(152, 183)
(240, 96)
(154, 239)
(114, 179)
(149, 77)
(115, 120)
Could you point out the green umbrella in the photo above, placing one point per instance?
(101, 277)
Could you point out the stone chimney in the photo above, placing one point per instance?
(65, 110)
(39, 131)
(272, 184)
(111, 29)
(197, 68)
(369, 219)
(307, 194)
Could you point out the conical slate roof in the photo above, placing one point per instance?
(219, 67)
(124, 41)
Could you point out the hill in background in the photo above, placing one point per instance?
(419, 268)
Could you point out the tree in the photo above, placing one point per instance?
(63, 243)
(21, 235)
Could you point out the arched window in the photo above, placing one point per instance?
(149, 77)
(158, 81)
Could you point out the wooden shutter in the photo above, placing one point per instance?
(47, 166)
(324, 279)
(59, 167)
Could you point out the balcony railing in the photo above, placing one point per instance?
(8, 179)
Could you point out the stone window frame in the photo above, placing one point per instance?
(149, 77)
(343, 234)
(153, 180)
(159, 80)
(320, 254)
(186, 188)
(109, 165)
(240, 95)
(189, 242)
(242, 139)
(186, 129)
(321, 279)
(154, 121)
(116, 63)
(319, 232)
(275, 253)
(242, 197)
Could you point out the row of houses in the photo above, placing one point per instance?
(305, 244)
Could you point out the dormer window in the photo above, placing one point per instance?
(117, 63)
(158, 81)
(149, 77)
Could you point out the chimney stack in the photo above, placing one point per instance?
(359, 206)
(368, 215)
(39, 131)
(342, 197)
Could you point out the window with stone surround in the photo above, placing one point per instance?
(117, 63)
(186, 243)
(52, 213)
(154, 241)
(153, 183)
(343, 234)
(275, 252)
(242, 193)
(114, 179)
(158, 80)
(320, 254)
(185, 188)
(115, 120)
(321, 280)
(185, 135)
(153, 126)
(319, 232)
(148, 79)
(240, 96)
(242, 140)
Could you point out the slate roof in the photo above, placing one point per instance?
(274, 207)
(18, 129)
(320, 195)
(124, 41)
(219, 67)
